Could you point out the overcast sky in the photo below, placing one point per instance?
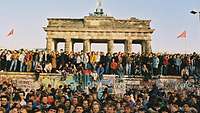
(169, 18)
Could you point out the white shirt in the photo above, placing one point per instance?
(21, 57)
(8, 57)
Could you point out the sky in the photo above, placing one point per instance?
(168, 17)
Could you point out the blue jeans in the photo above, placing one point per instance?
(128, 69)
(86, 81)
(13, 65)
(33, 65)
(22, 67)
(107, 68)
(178, 69)
(165, 70)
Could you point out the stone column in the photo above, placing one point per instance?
(143, 46)
(128, 46)
(49, 44)
(148, 46)
(86, 45)
(68, 44)
(73, 45)
(110, 45)
(55, 45)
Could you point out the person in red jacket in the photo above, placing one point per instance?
(114, 66)
(165, 64)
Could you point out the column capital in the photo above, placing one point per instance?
(67, 39)
(86, 39)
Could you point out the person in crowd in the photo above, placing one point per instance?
(52, 109)
(37, 111)
(35, 59)
(114, 66)
(8, 60)
(120, 71)
(5, 103)
(146, 73)
(185, 73)
(21, 61)
(111, 108)
(93, 57)
(177, 64)
(14, 110)
(78, 109)
(30, 106)
(61, 109)
(155, 63)
(74, 101)
(165, 64)
(108, 58)
(28, 61)
(87, 74)
(38, 70)
(48, 67)
(96, 108)
(188, 109)
(86, 106)
(2, 110)
(14, 59)
(197, 68)
(100, 72)
(22, 98)
(25, 109)
(127, 109)
(3, 61)
(53, 60)
(44, 106)
(85, 60)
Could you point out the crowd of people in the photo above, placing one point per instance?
(64, 99)
(115, 63)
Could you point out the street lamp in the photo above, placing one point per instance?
(195, 12)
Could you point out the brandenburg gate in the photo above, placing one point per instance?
(98, 28)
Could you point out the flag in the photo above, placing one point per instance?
(10, 33)
(182, 35)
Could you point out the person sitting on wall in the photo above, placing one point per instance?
(38, 70)
(48, 67)
(196, 75)
(145, 73)
(114, 67)
(100, 71)
(185, 74)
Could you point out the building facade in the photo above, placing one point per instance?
(98, 29)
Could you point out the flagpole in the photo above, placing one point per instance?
(185, 45)
(184, 37)
(199, 16)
